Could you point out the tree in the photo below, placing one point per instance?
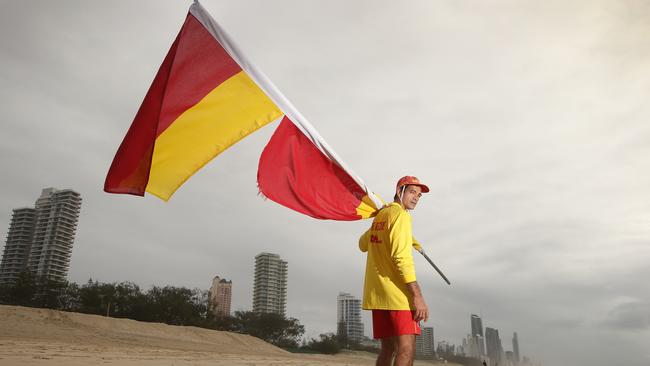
(69, 299)
(22, 291)
(97, 298)
(48, 292)
(177, 305)
(271, 327)
(342, 334)
(329, 344)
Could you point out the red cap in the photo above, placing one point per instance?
(411, 181)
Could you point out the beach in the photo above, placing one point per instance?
(30, 336)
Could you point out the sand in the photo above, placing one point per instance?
(47, 337)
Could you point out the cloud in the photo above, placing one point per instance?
(632, 315)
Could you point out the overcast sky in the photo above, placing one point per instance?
(529, 120)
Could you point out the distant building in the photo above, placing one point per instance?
(493, 345)
(424, 343)
(472, 348)
(220, 296)
(477, 333)
(502, 355)
(270, 287)
(444, 348)
(41, 239)
(370, 342)
(515, 347)
(477, 325)
(18, 244)
(348, 316)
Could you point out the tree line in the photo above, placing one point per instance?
(168, 304)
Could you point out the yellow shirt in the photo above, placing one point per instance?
(389, 264)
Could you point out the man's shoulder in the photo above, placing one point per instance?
(393, 210)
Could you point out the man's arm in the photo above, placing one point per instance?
(421, 309)
(401, 247)
(363, 241)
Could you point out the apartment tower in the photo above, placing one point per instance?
(493, 345)
(40, 239)
(477, 333)
(18, 244)
(424, 343)
(270, 287)
(515, 347)
(220, 296)
(348, 316)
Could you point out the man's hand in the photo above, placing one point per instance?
(421, 309)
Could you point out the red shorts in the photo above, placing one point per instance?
(390, 323)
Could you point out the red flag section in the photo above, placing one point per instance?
(296, 174)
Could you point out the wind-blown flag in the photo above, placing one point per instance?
(206, 97)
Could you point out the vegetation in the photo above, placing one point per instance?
(328, 344)
(170, 305)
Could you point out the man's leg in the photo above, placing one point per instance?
(405, 350)
(388, 348)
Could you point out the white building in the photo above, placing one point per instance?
(18, 244)
(349, 317)
(270, 287)
(424, 343)
(41, 239)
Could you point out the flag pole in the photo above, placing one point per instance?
(421, 251)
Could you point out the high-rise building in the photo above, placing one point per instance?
(477, 325)
(502, 355)
(472, 349)
(443, 348)
(270, 287)
(220, 296)
(515, 347)
(348, 317)
(477, 333)
(424, 343)
(19, 242)
(493, 345)
(46, 233)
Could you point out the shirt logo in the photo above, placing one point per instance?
(377, 226)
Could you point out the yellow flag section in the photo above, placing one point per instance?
(196, 136)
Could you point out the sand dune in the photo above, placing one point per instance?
(47, 337)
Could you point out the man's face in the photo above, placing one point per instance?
(411, 197)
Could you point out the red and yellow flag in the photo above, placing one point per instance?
(206, 97)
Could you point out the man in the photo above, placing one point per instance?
(390, 288)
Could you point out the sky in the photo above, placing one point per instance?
(528, 120)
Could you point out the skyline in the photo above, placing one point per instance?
(527, 120)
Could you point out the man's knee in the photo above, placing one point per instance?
(406, 346)
(405, 351)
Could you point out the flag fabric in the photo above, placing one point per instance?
(295, 173)
(206, 97)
